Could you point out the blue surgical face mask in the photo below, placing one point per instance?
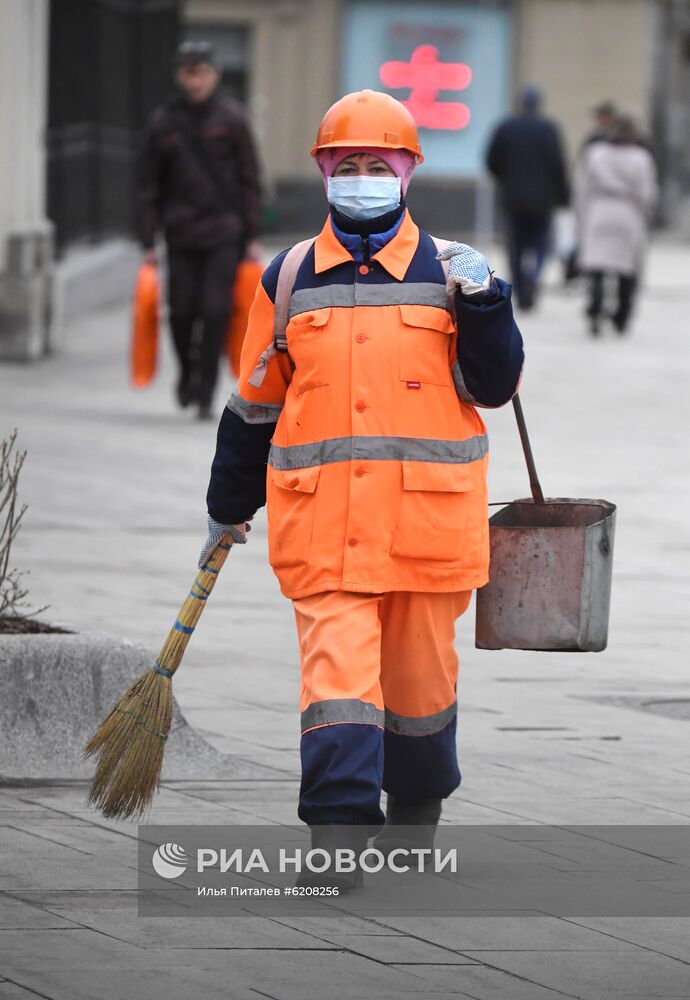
(364, 197)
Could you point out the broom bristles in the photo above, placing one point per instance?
(129, 746)
(130, 743)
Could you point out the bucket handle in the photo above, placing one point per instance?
(535, 486)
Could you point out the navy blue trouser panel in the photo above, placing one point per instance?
(527, 235)
(345, 766)
(342, 768)
(421, 767)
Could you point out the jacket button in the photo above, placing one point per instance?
(360, 338)
(363, 269)
(352, 542)
(359, 473)
(360, 407)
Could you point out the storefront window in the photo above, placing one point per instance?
(449, 62)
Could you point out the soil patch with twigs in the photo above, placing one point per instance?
(26, 626)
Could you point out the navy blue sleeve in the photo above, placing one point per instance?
(490, 353)
(238, 474)
(237, 487)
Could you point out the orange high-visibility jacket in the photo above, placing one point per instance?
(377, 457)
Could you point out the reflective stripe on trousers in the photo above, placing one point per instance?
(335, 710)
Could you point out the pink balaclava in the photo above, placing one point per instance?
(401, 161)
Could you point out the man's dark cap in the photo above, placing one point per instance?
(192, 53)
(606, 108)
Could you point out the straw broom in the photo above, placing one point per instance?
(130, 742)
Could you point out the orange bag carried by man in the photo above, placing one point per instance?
(145, 321)
(248, 276)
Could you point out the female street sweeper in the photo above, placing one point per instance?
(367, 352)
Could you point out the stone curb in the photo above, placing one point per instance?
(56, 689)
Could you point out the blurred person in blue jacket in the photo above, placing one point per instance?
(526, 157)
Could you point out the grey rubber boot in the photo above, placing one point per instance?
(409, 824)
(329, 838)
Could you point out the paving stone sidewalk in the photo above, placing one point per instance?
(115, 482)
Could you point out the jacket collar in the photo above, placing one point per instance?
(395, 256)
(354, 242)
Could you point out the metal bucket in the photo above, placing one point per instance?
(550, 577)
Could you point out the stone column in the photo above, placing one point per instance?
(26, 252)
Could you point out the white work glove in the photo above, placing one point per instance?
(468, 269)
(216, 533)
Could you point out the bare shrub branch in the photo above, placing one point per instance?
(13, 592)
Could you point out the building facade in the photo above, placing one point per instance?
(26, 234)
(77, 81)
(460, 65)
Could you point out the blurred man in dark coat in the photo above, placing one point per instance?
(526, 157)
(200, 186)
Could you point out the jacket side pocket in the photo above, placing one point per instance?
(290, 503)
(434, 516)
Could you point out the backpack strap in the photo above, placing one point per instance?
(287, 274)
(286, 282)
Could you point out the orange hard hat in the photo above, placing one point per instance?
(368, 118)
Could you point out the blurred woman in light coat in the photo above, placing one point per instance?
(615, 191)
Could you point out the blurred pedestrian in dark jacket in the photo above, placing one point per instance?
(200, 186)
(526, 157)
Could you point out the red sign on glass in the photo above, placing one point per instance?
(426, 76)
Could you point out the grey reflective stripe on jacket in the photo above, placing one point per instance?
(398, 449)
(459, 382)
(254, 413)
(413, 293)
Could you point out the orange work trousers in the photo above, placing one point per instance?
(378, 701)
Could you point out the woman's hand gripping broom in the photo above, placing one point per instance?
(129, 744)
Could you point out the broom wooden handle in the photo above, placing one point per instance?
(174, 646)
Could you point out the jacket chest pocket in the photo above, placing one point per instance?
(435, 519)
(426, 344)
(308, 345)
